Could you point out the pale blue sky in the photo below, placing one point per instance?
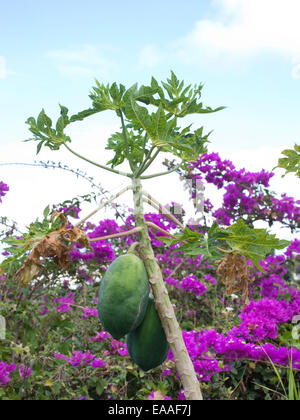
(246, 52)
(52, 53)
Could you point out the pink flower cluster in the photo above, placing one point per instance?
(3, 189)
(89, 312)
(245, 192)
(79, 358)
(189, 283)
(260, 318)
(65, 302)
(5, 371)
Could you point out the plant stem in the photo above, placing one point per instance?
(145, 162)
(160, 173)
(156, 204)
(163, 304)
(97, 164)
(116, 235)
(103, 205)
(159, 229)
(126, 141)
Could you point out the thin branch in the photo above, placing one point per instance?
(147, 162)
(158, 206)
(161, 173)
(144, 145)
(116, 235)
(98, 164)
(154, 226)
(175, 269)
(129, 187)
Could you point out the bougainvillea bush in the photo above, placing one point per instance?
(54, 346)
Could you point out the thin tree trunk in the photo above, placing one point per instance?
(163, 304)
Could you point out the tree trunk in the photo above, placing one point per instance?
(163, 304)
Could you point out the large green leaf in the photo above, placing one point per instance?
(253, 244)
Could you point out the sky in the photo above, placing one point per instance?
(247, 54)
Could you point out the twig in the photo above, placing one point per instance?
(154, 226)
(103, 205)
(158, 206)
(97, 164)
(116, 235)
(175, 269)
(161, 173)
(147, 162)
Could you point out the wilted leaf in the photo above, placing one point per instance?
(54, 245)
(234, 274)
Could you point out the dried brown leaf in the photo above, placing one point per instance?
(55, 245)
(234, 274)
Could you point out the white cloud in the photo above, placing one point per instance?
(83, 60)
(3, 72)
(244, 28)
(149, 56)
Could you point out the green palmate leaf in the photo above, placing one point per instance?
(45, 134)
(172, 99)
(159, 122)
(188, 146)
(291, 163)
(253, 244)
(140, 118)
(117, 143)
(110, 97)
(44, 123)
(101, 98)
(181, 100)
(143, 94)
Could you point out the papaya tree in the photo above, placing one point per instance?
(150, 119)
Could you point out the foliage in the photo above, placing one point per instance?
(291, 163)
(142, 131)
(235, 317)
(252, 244)
(53, 332)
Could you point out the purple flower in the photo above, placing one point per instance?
(89, 312)
(98, 363)
(100, 336)
(25, 371)
(78, 358)
(5, 371)
(65, 302)
(3, 189)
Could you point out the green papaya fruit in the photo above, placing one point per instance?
(123, 295)
(147, 344)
